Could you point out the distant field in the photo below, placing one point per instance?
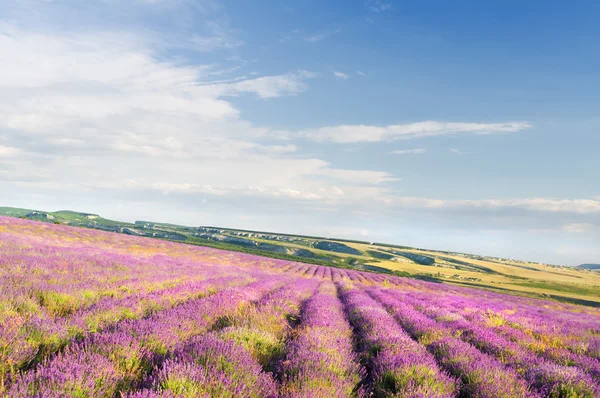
(509, 276)
(87, 313)
(559, 282)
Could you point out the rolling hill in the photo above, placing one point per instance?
(572, 284)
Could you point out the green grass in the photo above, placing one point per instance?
(74, 217)
(14, 211)
(561, 287)
(545, 296)
(263, 253)
(381, 255)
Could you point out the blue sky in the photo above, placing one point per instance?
(468, 125)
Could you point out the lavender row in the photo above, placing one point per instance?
(545, 377)
(134, 347)
(230, 362)
(264, 327)
(481, 375)
(25, 342)
(398, 365)
(208, 366)
(548, 326)
(483, 329)
(320, 361)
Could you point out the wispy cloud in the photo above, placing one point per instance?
(280, 148)
(545, 205)
(315, 38)
(417, 151)
(578, 228)
(456, 151)
(341, 75)
(366, 133)
(211, 43)
(320, 36)
(265, 87)
(218, 35)
(359, 176)
(581, 206)
(7, 151)
(378, 6)
(290, 36)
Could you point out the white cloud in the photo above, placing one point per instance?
(358, 176)
(168, 147)
(583, 207)
(7, 151)
(341, 75)
(456, 151)
(578, 228)
(102, 110)
(316, 37)
(377, 6)
(211, 43)
(580, 206)
(366, 133)
(416, 151)
(167, 188)
(280, 148)
(218, 36)
(320, 36)
(265, 87)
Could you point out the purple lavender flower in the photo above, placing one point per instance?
(320, 360)
(398, 365)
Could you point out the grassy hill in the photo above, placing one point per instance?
(14, 212)
(573, 284)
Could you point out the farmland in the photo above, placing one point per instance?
(88, 313)
(566, 284)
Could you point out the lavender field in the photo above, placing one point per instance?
(92, 314)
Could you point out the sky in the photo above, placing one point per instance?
(469, 126)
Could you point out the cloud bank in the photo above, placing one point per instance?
(365, 133)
